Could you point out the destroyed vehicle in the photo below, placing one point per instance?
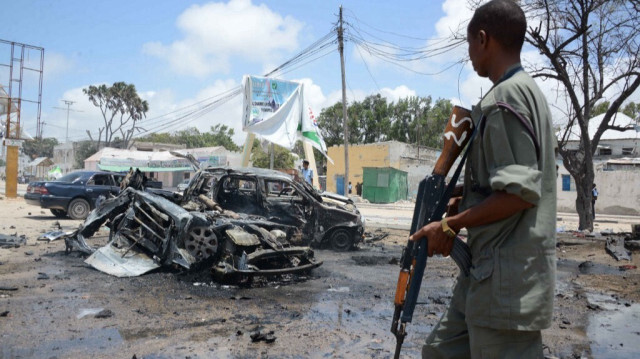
(148, 231)
(74, 194)
(325, 220)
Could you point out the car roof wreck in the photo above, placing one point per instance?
(152, 229)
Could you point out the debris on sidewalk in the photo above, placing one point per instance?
(12, 241)
(54, 235)
(267, 338)
(615, 247)
(377, 235)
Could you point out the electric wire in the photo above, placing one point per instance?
(313, 52)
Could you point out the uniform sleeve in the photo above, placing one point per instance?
(510, 156)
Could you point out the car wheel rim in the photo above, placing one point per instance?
(341, 240)
(202, 243)
(80, 210)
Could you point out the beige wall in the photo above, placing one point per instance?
(619, 192)
(370, 155)
(416, 162)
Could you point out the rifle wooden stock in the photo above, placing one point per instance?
(430, 205)
(456, 135)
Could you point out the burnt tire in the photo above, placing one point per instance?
(78, 209)
(341, 240)
(59, 213)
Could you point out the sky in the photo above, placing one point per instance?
(178, 53)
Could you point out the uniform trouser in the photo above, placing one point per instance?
(453, 338)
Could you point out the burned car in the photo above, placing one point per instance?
(324, 220)
(149, 229)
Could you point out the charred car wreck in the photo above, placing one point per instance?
(153, 228)
(324, 219)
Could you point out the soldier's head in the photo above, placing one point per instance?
(499, 25)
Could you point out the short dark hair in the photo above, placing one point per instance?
(503, 20)
(305, 161)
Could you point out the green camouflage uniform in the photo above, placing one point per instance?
(509, 294)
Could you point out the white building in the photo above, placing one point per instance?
(616, 170)
(162, 165)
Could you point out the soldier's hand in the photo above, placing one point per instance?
(438, 241)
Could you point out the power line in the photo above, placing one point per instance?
(318, 49)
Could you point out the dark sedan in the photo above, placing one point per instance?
(74, 194)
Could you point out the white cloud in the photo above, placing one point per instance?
(393, 95)
(457, 14)
(56, 64)
(214, 33)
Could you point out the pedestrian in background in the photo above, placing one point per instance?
(594, 197)
(307, 173)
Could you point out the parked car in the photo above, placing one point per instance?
(323, 219)
(74, 194)
(183, 185)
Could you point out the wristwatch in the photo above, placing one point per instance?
(446, 229)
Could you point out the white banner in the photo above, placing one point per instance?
(272, 109)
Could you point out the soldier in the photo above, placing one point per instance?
(508, 206)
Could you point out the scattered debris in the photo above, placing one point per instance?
(626, 267)
(4, 314)
(632, 244)
(105, 313)
(54, 235)
(8, 288)
(378, 235)
(154, 228)
(43, 276)
(258, 336)
(339, 290)
(12, 241)
(88, 311)
(28, 253)
(615, 247)
(594, 306)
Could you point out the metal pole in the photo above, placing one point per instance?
(272, 157)
(344, 107)
(68, 103)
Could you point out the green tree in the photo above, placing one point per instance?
(121, 109)
(632, 110)
(219, 135)
(436, 121)
(39, 147)
(84, 150)
(283, 159)
(330, 124)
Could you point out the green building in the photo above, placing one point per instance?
(384, 184)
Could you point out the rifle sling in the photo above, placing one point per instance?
(460, 253)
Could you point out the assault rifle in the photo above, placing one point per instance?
(431, 203)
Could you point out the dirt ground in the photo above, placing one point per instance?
(49, 301)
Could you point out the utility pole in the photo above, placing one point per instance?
(344, 107)
(272, 155)
(66, 138)
(68, 103)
